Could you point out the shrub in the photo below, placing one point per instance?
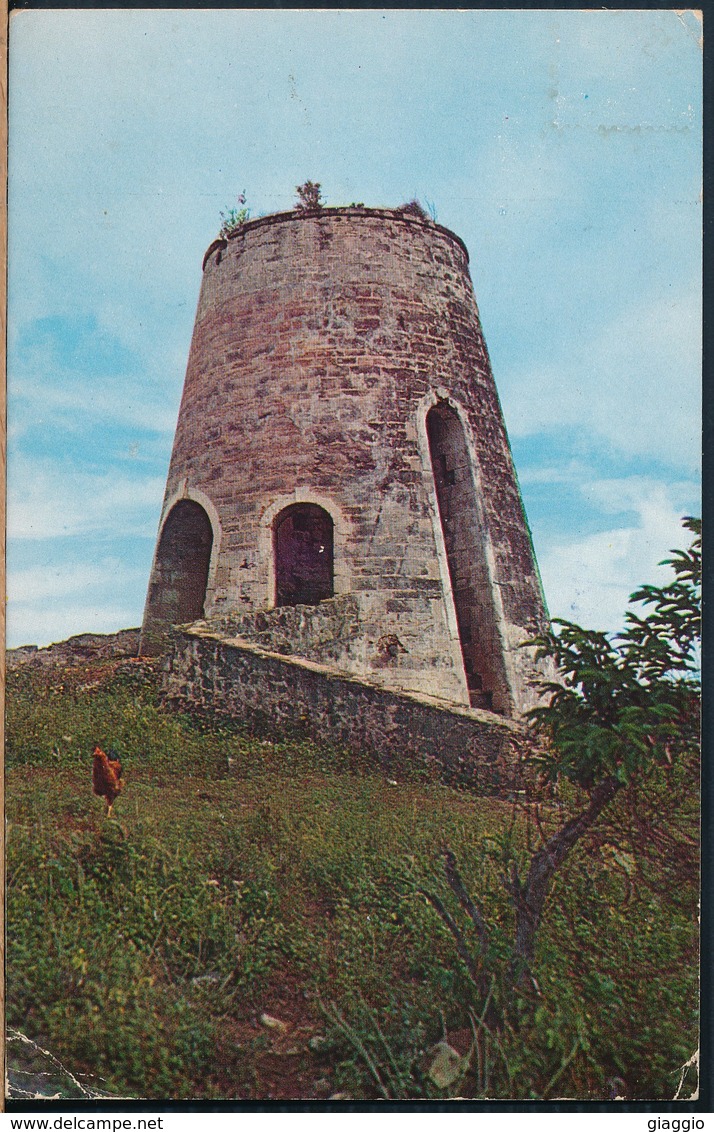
(309, 197)
(413, 208)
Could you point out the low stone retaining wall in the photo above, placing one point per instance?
(274, 693)
(329, 633)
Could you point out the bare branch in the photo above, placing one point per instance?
(461, 946)
(456, 885)
(529, 897)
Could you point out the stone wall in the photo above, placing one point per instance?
(205, 671)
(329, 633)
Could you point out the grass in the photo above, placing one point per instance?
(243, 877)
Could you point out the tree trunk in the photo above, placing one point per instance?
(529, 897)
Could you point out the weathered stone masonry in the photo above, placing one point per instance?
(341, 487)
(243, 681)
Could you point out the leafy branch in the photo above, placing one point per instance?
(621, 705)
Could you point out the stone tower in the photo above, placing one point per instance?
(341, 486)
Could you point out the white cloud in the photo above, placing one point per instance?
(636, 385)
(572, 472)
(66, 579)
(52, 602)
(589, 580)
(44, 624)
(74, 402)
(45, 583)
(47, 501)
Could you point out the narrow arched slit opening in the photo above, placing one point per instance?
(479, 638)
(303, 540)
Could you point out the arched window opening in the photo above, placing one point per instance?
(178, 589)
(458, 512)
(304, 558)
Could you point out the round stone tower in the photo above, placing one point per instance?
(341, 487)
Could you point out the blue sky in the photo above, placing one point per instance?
(564, 147)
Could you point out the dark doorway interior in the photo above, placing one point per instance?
(178, 590)
(456, 496)
(303, 545)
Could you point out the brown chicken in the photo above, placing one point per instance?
(106, 778)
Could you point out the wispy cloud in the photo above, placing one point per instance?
(72, 407)
(636, 384)
(76, 372)
(589, 579)
(47, 603)
(46, 501)
(50, 621)
(68, 579)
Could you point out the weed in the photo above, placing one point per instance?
(233, 219)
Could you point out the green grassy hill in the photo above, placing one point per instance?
(250, 923)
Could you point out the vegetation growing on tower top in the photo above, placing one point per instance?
(413, 208)
(310, 198)
(234, 218)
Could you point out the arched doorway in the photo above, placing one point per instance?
(303, 536)
(178, 586)
(481, 646)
